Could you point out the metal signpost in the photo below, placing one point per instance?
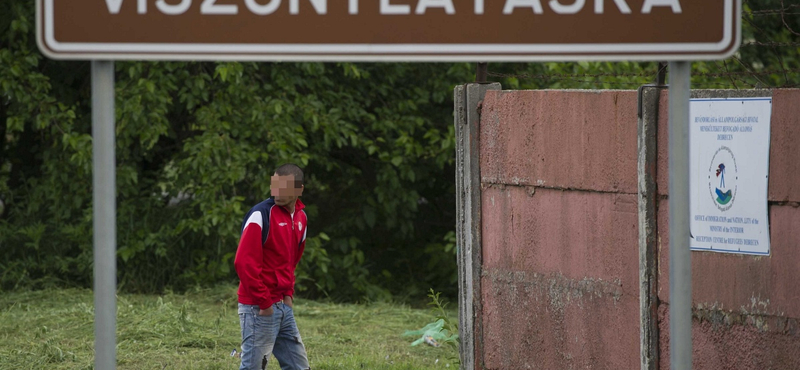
(387, 30)
(680, 261)
(104, 213)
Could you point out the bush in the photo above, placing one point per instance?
(196, 144)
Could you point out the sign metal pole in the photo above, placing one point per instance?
(104, 214)
(680, 262)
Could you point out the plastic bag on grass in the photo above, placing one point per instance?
(432, 334)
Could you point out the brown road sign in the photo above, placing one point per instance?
(389, 30)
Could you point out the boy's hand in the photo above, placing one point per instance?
(268, 312)
(288, 300)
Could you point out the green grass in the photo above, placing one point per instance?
(53, 329)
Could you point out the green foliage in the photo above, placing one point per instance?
(443, 329)
(439, 308)
(196, 143)
(769, 57)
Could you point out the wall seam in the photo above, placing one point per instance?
(474, 101)
(647, 166)
(465, 312)
(468, 182)
(488, 185)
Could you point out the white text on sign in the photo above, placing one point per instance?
(266, 7)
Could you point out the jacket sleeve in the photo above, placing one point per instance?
(300, 251)
(250, 259)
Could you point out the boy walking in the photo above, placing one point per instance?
(272, 242)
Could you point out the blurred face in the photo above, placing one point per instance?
(283, 189)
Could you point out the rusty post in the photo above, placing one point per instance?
(661, 76)
(481, 73)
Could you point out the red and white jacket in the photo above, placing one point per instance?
(272, 242)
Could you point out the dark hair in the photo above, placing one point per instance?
(290, 169)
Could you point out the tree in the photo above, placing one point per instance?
(196, 143)
(769, 57)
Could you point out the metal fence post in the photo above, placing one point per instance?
(680, 262)
(104, 214)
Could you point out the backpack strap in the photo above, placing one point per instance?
(305, 231)
(265, 228)
(265, 211)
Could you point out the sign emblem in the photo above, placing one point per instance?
(723, 174)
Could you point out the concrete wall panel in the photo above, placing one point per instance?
(560, 139)
(745, 308)
(560, 279)
(784, 153)
(577, 234)
(560, 258)
(729, 341)
(548, 321)
(761, 285)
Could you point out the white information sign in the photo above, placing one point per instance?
(729, 155)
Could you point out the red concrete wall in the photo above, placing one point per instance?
(746, 308)
(559, 230)
(560, 241)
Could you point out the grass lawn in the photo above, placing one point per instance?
(54, 329)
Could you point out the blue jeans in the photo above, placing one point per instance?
(275, 334)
